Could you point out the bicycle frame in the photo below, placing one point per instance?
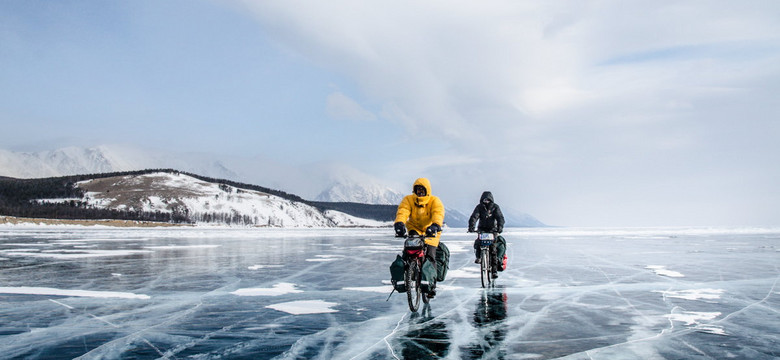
(414, 257)
(486, 254)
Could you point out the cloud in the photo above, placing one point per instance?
(342, 107)
(586, 103)
(446, 64)
(577, 112)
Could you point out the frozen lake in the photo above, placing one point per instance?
(321, 294)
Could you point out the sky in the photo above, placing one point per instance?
(580, 113)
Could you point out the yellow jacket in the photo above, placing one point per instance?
(419, 212)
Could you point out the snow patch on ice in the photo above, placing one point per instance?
(325, 258)
(264, 327)
(258, 267)
(693, 317)
(303, 307)
(75, 254)
(662, 271)
(711, 329)
(26, 290)
(276, 290)
(693, 294)
(176, 247)
(35, 244)
(376, 289)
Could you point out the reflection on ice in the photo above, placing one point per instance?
(489, 320)
(322, 294)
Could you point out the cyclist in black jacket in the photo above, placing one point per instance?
(490, 219)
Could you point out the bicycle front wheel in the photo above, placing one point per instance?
(485, 267)
(412, 279)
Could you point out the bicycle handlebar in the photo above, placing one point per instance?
(421, 236)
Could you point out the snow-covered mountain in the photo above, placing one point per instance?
(332, 182)
(205, 202)
(66, 161)
(350, 185)
(516, 218)
(513, 218)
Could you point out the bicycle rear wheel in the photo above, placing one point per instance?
(412, 279)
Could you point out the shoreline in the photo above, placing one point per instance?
(13, 220)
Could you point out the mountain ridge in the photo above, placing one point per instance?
(341, 184)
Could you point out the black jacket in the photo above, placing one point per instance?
(490, 217)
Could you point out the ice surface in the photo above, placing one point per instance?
(216, 293)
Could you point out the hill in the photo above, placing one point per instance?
(167, 195)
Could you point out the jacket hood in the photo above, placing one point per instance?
(486, 195)
(425, 183)
(422, 200)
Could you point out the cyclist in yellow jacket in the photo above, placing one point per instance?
(421, 213)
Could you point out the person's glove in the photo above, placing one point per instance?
(471, 229)
(400, 229)
(500, 229)
(432, 230)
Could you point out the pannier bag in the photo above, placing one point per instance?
(429, 275)
(397, 274)
(501, 253)
(442, 261)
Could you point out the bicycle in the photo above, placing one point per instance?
(486, 240)
(414, 258)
